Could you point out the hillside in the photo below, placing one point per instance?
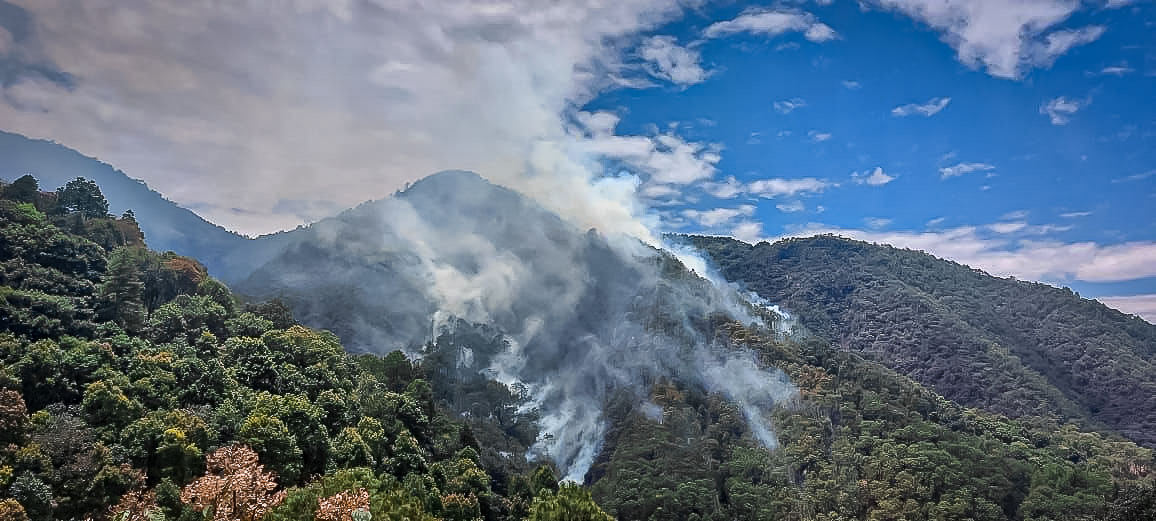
(1013, 347)
(135, 386)
(669, 439)
(167, 226)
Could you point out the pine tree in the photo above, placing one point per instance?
(83, 197)
(121, 294)
(23, 189)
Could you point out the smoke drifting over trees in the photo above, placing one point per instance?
(582, 315)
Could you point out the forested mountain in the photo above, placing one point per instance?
(135, 386)
(1017, 348)
(167, 226)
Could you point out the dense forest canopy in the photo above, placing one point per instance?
(135, 386)
(1018, 348)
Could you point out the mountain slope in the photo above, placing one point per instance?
(1013, 347)
(166, 225)
(580, 315)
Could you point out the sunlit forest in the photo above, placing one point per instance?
(136, 386)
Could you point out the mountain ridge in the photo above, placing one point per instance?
(1030, 348)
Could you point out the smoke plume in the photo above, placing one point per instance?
(583, 314)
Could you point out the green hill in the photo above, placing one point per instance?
(135, 386)
(1017, 348)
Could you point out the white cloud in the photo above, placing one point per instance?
(1073, 215)
(1116, 4)
(876, 177)
(1116, 70)
(850, 84)
(1060, 42)
(1010, 227)
(1002, 256)
(931, 108)
(1135, 177)
(782, 187)
(773, 22)
(818, 137)
(1060, 110)
(748, 231)
(1014, 215)
(934, 223)
(325, 100)
(964, 168)
(1008, 39)
(665, 158)
(726, 189)
(820, 32)
(793, 206)
(876, 222)
(718, 216)
(1142, 305)
(787, 106)
(669, 61)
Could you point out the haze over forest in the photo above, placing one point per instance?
(642, 259)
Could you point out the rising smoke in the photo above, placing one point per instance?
(584, 314)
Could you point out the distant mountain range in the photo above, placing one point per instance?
(166, 225)
(671, 397)
(1013, 347)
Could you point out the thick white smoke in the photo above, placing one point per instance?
(585, 315)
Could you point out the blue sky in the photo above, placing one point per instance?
(1014, 137)
(905, 143)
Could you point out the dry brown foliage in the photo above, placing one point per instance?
(13, 416)
(135, 506)
(11, 510)
(341, 506)
(235, 487)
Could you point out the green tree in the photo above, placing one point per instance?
(83, 197)
(570, 503)
(121, 293)
(24, 189)
(271, 439)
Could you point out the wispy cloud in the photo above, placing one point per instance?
(1009, 227)
(787, 106)
(931, 108)
(783, 187)
(664, 159)
(1143, 306)
(818, 137)
(1008, 39)
(1135, 177)
(718, 216)
(851, 84)
(874, 177)
(726, 189)
(1059, 43)
(1004, 255)
(1074, 215)
(964, 168)
(671, 62)
(1060, 110)
(877, 222)
(1116, 4)
(793, 206)
(1116, 70)
(773, 22)
(1014, 215)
